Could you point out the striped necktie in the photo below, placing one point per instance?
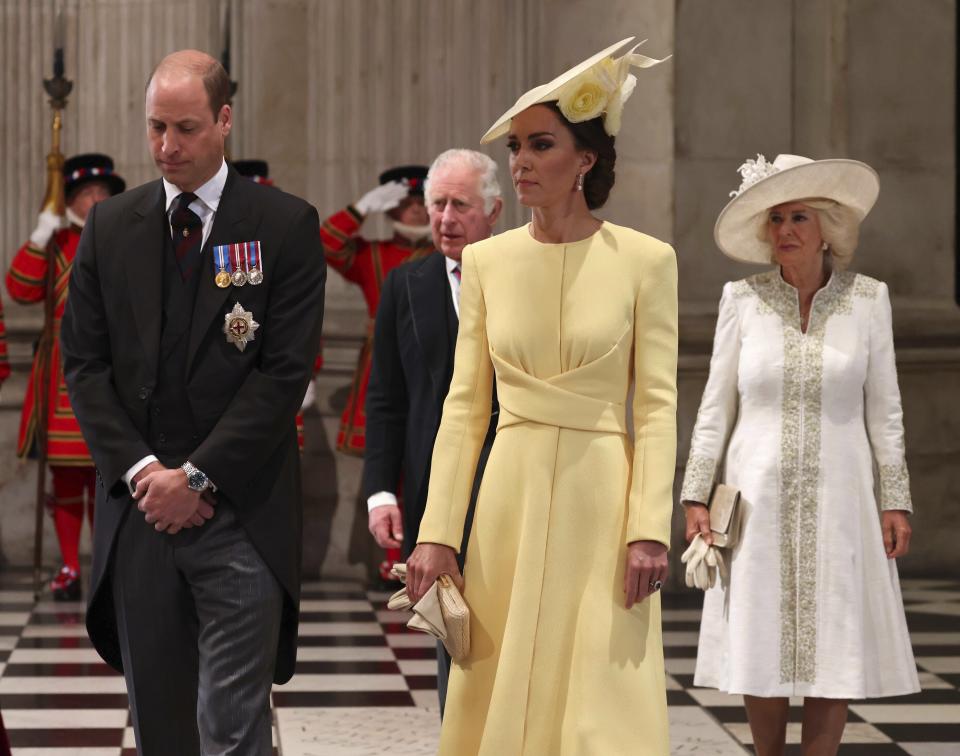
(187, 234)
(456, 289)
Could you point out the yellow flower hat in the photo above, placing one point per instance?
(597, 86)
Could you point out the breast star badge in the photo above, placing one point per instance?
(239, 326)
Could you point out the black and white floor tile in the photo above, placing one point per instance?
(365, 686)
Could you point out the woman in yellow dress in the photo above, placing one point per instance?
(572, 524)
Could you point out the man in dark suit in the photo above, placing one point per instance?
(186, 353)
(414, 343)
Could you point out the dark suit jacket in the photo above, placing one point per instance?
(409, 379)
(243, 403)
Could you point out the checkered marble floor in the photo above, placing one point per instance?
(366, 686)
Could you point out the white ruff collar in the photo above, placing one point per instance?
(75, 219)
(411, 233)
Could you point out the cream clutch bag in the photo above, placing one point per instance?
(705, 563)
(725, 516)
(442, 613)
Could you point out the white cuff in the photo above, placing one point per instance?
(130, 474)
(381, 499)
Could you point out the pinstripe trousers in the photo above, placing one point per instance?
(198, 617)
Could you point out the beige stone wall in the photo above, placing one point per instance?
(329, 94)
(333, 91)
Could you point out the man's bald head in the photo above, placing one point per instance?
(194, 63)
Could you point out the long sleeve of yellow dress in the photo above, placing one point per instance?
(466, 417)
(654, 400)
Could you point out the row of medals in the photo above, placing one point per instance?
(239, 278)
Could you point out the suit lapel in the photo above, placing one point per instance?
(233, 222)
(427, 290)
(144, 267)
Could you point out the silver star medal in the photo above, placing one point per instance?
(239, 326)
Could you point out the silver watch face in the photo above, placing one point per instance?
(196, 480)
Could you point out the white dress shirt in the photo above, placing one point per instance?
(388, 498)
(205, 206)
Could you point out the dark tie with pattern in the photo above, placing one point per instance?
(187, 234)
(456, 292)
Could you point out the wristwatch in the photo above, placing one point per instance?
(196, 480)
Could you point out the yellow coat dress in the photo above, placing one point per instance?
(558, 666)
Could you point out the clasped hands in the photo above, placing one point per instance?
(167, 502)
(646, 563)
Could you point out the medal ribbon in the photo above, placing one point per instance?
(238, 261)
(253, 256)
(221, 259)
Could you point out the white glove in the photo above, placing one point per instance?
(47, 225)
(693, 558)
(309, 397)
(384, 197)
(715, 559)
(702, 562)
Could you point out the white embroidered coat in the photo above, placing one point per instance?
(809, 427)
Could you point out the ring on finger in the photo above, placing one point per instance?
(655, 585)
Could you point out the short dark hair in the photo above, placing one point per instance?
(216, 80)
(590, 135)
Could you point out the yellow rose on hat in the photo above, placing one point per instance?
(597, 86)
(583, 98)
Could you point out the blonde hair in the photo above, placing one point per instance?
(839, 227)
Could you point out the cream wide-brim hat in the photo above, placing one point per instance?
(790, 178)
(550, 92)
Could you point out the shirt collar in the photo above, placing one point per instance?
(209, 193)
(451, 264)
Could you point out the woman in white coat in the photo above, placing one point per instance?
(801, 412)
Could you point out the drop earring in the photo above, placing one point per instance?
(579, 182)
(824, 247)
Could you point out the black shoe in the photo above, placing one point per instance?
(66, 585)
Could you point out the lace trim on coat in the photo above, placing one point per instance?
(895, 487)
(698, 478)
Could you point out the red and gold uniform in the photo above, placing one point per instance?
(26, 283)
(74, 476)
(4, 359)
(88, 179)
(365, 263)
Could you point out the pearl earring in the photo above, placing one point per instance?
(579, 182)
(824, 247)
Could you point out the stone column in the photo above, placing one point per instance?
(870, 80)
